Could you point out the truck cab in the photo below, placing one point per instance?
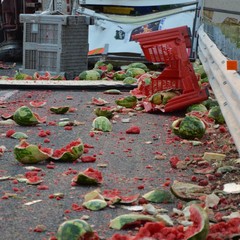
(11, 31)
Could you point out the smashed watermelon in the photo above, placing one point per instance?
(216, 114)
(88, 177)
(70, 152)
(29, 153)
(106, 67)
(120, 75)
(37, 104)
(131, 220)
(107, 112)
(76, 229)
(25, 117)
(189, 127)
(158, 230)
(200, 227)
(60, 110)
(102, 123)
(225, 230)
(114, 194)
(128, 101)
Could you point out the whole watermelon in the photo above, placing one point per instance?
(209, 103)
(133, 72)
(89, 75)
(138, 65)
(197, 107)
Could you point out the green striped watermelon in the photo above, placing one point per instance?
(29, 153)
(76, 229)
(25, 117)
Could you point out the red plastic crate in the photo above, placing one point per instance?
(170, 47)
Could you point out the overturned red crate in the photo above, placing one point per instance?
(170, 47)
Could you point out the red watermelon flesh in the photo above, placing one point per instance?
(37, 104)
(68, 148)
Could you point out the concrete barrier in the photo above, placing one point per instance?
(225, 83)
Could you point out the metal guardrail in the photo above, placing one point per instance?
(229, 47)
(225, 83)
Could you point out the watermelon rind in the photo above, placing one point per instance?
(112, 91)
(72, 154)
(120, 75)
(128, 101)
(168, 95)
(25, 117)
(216, 114)
(100, 64)
(102, 123)
(200, 228)
(30, 154)
(68, 156)
(60, 110)
(83, 178)
(188, 191)
(95, 194)
(125, 219)
(159, 196)
(74, 229)
(189, 127)
(156, 98)
(6, 116)
(99, 101)
(104, 111)
(95, 204)
(129, 199)
(210, 102)
(37, 104)
(19, 135)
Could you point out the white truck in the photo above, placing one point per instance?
(114, 21)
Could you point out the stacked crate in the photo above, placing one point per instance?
(55, 43)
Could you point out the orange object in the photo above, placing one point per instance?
(170, 46)
(96, 51)
(232, 65)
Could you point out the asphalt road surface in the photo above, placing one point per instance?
(127, 162)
